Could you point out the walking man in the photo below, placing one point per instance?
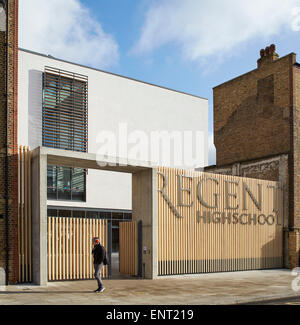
(99, 255)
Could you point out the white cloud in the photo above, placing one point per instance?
(216, 27)
(296, 19)
(65, 29)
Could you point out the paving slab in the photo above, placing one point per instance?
(203, 289)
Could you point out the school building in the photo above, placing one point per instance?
(59, 189)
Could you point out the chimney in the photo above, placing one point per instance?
(267, 55)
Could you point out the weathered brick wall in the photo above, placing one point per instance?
(2, 145)
(295, 222)
(9, 145)
(294, 249)
(252, 113)
(257, 115)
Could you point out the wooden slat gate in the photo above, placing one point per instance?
(128, 248)
(70, 247)
(215, 238)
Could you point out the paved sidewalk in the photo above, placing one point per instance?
(204, 289)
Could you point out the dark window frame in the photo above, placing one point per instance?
(65, 110)
(71, 185)
(84, 211)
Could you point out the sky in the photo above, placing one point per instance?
(187, 45)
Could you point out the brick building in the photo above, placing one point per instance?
(8, 141)
(257, 133)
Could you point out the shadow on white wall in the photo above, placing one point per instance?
(35, 108)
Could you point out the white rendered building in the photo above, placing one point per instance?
(47, 100)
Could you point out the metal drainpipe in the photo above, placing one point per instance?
(6, 158)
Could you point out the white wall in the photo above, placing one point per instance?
(112, 100)
(2, 20)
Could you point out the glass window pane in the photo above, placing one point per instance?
(105, 215)
(79, 214)
(64, 183)
(92, 214)
(52, 213)
(117, 216)
(115, 223)
(78, 184)
(51, 183)
(128, 216)
(64, 213)
(115, 240)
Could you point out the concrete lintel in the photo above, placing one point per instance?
(92, 161)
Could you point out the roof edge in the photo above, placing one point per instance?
(251, 71)
(110, 73)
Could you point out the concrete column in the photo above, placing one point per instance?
(144, 209)
(39, 217)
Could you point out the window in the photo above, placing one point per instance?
(51, 183)
(65, 120)
(127, 216)
(92, 215)
(88, 214)
(118, 216)
(52, 213)
(64, 214)
(78, 214)
(78, 184)
(65, 183)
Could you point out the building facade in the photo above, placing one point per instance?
(59, 188)
(256, 133)
(107, 103)
(52, 103)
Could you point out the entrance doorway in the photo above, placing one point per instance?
(116, 247)
(130, 255)
(143, 203)
(115, 265)
(112, 218)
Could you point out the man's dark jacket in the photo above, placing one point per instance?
(99, 254)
